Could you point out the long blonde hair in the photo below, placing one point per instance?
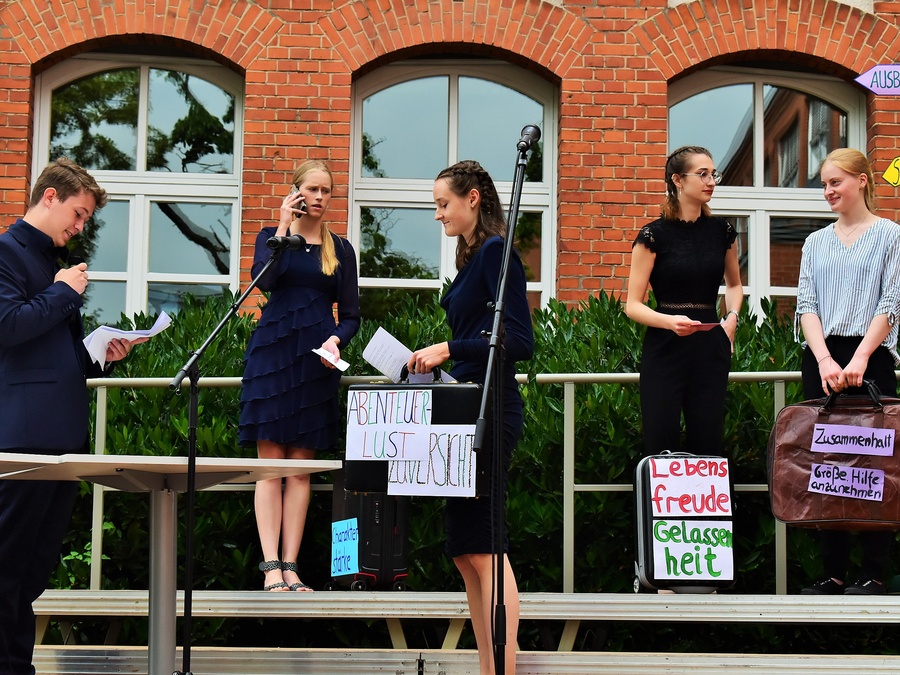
(854, 162)
(329, 256)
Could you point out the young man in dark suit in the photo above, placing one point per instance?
(44, 401)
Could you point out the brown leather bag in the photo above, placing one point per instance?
(839, 490)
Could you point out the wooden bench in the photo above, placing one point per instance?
(394, 607)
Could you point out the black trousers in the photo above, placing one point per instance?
(684, 376)
(835, 545)
(34, 518)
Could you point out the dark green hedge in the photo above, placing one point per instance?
(594, 337)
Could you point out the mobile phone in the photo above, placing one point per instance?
(301, 207)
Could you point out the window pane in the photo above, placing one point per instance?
(187, 238)
(405, 130)
(741, 224)
(93, 121)
(191, 125)
(491, 119)
(786, 237)
(169, 298)
(729, 138)
(399, 243)
(105, 239)
(799, 131)
(104, 302)
(528, 244)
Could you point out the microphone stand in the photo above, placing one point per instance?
(493, 388)
(191, 370)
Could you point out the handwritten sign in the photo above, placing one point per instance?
(693, 550)
(853, 440)
(395, 424)
(447, 471)
(847, 481)
(344, 547)
(882, 79)
(689, 486)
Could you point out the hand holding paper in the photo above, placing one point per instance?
(98, 342)
(389, 355)
(340, 364)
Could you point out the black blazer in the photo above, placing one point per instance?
(44, 401)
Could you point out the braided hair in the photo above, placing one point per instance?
(461, 178)
(676, 164)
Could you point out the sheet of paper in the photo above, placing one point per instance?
(340, 364)
(97, 341)
(388, 355)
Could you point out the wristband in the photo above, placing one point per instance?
(819, 362)
(737, 316)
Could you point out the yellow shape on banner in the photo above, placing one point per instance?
(892, 173)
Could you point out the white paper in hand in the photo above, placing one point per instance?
(340, 364)
(98, 340)
(388, 355)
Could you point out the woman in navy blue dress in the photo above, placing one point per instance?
(289, 406)
(469, 209)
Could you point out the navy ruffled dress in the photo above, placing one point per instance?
(288, 395)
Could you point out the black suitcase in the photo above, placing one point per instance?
(684, 537)
(383, 537)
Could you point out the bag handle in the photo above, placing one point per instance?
(871, 389)
(404, 374)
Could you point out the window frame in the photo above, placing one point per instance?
(417, 193)
(140, 188)
(759, 204)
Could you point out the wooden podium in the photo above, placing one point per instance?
(163, 478)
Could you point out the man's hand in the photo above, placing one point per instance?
(76, 276)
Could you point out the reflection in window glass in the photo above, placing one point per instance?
(104, 302)
(786, 237)
(191, 125)
(729, 139)
(189, 238)
(105, 238)
(799, 131)
(169, 297)
(741, 224)
(491, 119)
(528, 244)
(93, 121)
(405, 130)
(399, 243)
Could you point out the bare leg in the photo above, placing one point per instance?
(295, 506)
(268, 505)
(477, 572)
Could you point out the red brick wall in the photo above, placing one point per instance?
(612, 61)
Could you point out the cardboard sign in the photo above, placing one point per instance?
(447, 471)
(687, 486)
(847, 481)
(693, 550)
(852, 440)
(344, 547)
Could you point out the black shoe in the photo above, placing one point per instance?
(824, 587)
(866, 587)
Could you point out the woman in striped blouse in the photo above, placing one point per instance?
(848, 299)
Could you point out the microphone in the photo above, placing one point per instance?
(530, 134)
(293, 242)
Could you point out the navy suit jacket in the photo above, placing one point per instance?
(44, 401)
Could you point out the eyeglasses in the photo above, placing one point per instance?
(707, 176)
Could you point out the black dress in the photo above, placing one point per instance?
(686, 374)
(288, 396)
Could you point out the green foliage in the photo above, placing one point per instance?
(593, 337)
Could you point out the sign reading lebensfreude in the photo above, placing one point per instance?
(685, 493)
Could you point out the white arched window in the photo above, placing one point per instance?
(162, 138)
(768, 132)
(413, 119)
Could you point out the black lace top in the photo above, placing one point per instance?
(690, 263)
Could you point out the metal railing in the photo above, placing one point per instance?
(569, 488)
